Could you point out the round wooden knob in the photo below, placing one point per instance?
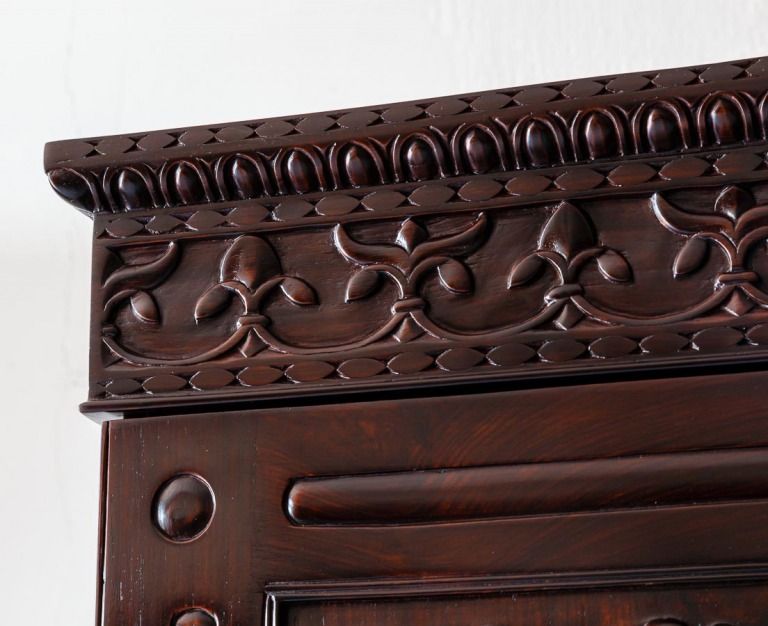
(183, 509)
(195, 617)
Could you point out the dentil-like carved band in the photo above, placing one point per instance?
(538, 140)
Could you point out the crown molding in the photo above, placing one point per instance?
(528, 128)
(614, 224)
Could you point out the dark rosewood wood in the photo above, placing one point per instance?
(195, 617)
(609, 224)
(529, 489)
(183, 507)
(486, 359)
(251, 459)
(683, 606)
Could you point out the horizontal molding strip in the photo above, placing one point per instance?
(463, 494)
(346, 589)
(528, 128)
(503, 190)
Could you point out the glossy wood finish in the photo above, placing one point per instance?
(529, 489)
(183, 508)
(252, 458)
(682, 606)
(610, 224)
(487, 359)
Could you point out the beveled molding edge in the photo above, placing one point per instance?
(280, 597)
(568, 123)
(286, 591)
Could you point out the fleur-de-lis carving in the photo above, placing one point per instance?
(412, 257)
(735, 227)
(566, 243)
(132, 282)
(250, 269)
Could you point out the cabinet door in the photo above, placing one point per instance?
(210, 509)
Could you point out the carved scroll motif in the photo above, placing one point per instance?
(567, 244)
(734, 229)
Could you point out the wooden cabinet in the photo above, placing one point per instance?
(489, 359)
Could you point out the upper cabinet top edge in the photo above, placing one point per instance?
(609, 118)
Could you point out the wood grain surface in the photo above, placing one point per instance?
(253, 458)
(612, 224)
(487, 359)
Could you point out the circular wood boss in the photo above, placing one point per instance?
(183, 507)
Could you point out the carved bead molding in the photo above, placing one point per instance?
(516, 129)
(601, 224)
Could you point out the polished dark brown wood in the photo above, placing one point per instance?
(183, 507)
(487, 359)
(609, 224)
(253, 459)
(441, 495)
(676, 606)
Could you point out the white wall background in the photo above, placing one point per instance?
(71, 68)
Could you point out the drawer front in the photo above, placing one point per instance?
(210, 509)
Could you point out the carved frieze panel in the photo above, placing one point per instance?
(602, 224)
(622, 279)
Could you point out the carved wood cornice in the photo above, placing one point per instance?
(602, 224)
(515, 129)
